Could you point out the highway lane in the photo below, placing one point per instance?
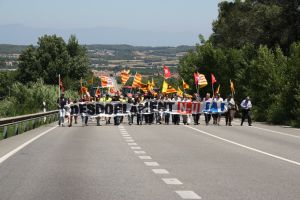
(215, 169)
(79, 163)
(111, 162)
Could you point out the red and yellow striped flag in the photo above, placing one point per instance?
(125, 76)
(202, 82)
(166, 88)
(137, 82)
(104, 80)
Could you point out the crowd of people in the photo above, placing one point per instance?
(157, 117)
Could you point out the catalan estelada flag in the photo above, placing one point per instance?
(125, 76)
(137, 82)
(166, 88)
(202, 82)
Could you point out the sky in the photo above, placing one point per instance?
(181, 20)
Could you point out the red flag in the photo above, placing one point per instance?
(61, 86)
(213, 79)
(167, 72)
(196, 77)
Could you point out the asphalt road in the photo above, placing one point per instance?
(157, 162)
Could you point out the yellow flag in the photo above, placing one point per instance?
(179, 92)
(232, 87)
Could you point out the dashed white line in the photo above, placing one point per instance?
(172, 181)
(135, 147)
(151, 164)
(139, 152)
(129, 140)
(246, 147)
(132, 144)
(145, 157)
(188, 195)
(160, 171)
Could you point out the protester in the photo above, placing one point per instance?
(61, 102)
(207, 114)
(246, 106)
(231, 109)
(196, 116)
(217, 116)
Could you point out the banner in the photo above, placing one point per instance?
(148, 107)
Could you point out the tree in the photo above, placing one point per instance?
(258, 22)
(52, 57)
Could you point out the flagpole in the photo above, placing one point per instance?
(58, 85)
(213, 91)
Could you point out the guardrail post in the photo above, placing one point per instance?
(25, 126)
(16, 129)
(5, 132)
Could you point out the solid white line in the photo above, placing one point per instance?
(264, 129)
(246, 147)
(172, 181)
(9, 154)
(188, 195)
(286, 134)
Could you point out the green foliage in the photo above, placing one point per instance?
(52, 57)
(29, 98)
(258, 22)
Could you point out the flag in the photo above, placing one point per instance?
(137, 82)
(196, 77)
(232, 87)
(217, 90)
(98, 92)
(167, 72)
(144, 87)
(213, 79)
(83, 90)
(179, 92)
(202, 82)
(103, 80)
(185, 85)
(61, 86)
(166, 88)
(152, 83)
(106, 81)
(91, 81)
(125, 76)
(112, 90)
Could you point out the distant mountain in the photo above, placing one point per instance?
(24, 35)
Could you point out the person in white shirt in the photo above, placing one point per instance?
(231, 109)
(246, 106)
(217, 116)
(207, 115)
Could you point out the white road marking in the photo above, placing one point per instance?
(246, 147)
(9, 154)
(281, 133)
(152, 164)
(139, 152)
(135, 147)
(264, 129)
(172, 181)
(188, 195)
(160, 171)
(145, 157)
(132, 144)
(128, 137)
(129, 140)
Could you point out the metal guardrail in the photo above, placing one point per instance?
(16, 125)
